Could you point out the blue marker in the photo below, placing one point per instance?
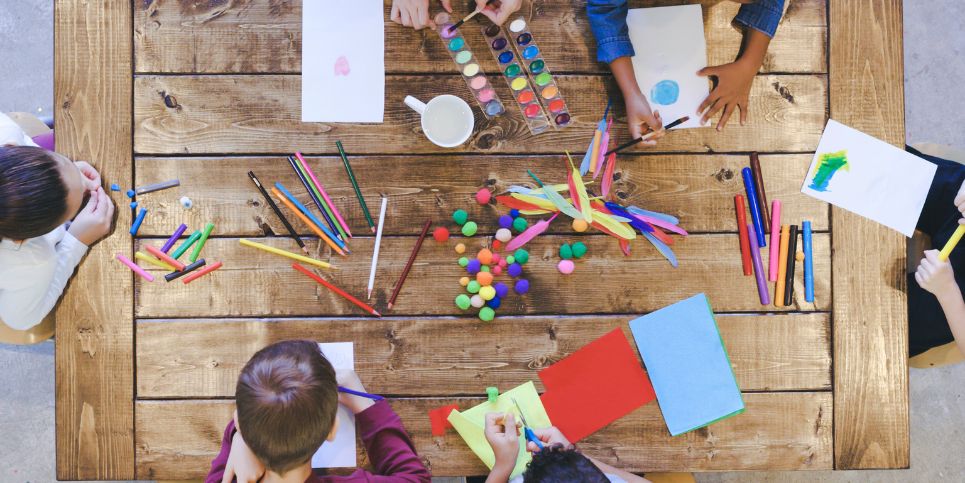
(338, 241)
(808, 264)
(138, 220)
(755, 208)
(374, 397)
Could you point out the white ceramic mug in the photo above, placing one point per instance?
(447, 120)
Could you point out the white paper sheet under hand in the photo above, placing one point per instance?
(669, 48)
(343, 61)
(341, 452)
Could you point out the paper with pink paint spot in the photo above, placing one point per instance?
(343, 61)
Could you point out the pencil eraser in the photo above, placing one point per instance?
(492, 392)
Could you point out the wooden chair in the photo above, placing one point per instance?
(34, 335)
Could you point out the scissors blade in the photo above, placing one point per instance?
(521, 415)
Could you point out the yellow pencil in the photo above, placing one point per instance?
(279, 251)
(782, 265)
(154, 261)
(950, 245)
(308, 222)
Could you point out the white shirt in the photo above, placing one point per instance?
(34, 272)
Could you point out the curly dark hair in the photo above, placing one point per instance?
(556, 464)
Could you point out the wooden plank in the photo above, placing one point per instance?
(255, 283)
(259, 37)
(261, 114)
(779, 431)
(870, 310)
(444, 357)
(94, 338)
(696, 189)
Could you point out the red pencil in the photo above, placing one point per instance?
(335, 289)
(742, 231)
(200, 273)
(408, 264)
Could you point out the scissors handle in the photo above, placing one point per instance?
(531, 436)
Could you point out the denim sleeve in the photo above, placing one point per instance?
(608, 20)
(762, 15)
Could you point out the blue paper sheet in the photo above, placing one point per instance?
(687, 364)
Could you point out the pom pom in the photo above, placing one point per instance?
(521, 256)
(477, 301)
(440, 234)
(483, 196)
(461, 248)
(504, 235)
(487, 293)
(515, 270)
(473, 287)
(485, 256)
(566, 267)
(566, 251)
(487, 314)
(460, 217)
(501, 289)
(484, 278)
(522, 286)
(469, 229)
(580, 226)
(473, 266)
(520, 224)
(505, 221)
(579, 249)
(462, 301)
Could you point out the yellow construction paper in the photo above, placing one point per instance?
(471, 424)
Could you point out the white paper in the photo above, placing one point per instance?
(341, 452)
(670, 48)
(343, 61)
(879, 182)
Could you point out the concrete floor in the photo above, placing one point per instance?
(934, 66)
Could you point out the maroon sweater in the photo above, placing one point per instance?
(388, 445)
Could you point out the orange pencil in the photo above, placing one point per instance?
(164, 257)
(782, 266)
(337, 290)
(308, 222)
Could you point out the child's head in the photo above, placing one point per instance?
(554, 464)
(39, 191)
(287, 400)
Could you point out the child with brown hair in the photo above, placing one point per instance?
(287, 398)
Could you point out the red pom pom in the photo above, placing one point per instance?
(440, 234)
(483, 196)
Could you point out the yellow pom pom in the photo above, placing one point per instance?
(464, 281)
(461, 248)
(580, 226)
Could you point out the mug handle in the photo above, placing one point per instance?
(415, 104)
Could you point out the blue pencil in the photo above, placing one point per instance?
(808, 264)
(338, 241)
(137, 221)
(755, 207)
(374, 397)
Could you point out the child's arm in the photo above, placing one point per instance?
(938, 278)
(415, 13)
(734, 80)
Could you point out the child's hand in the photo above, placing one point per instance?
(641, 120)
(242, 463)
(500, 10)
(503, 436)
(92, 179)
(549, 436)
(94, 220)
(349, 379)
(732, 91)
(960, 202)
(415, 13)
(936, 276)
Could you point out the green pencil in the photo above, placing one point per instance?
(198, 246)
(187, 244)
(358, 192)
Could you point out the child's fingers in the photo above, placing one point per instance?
(422, 17)
(396, 14)
(920, 280)
(705, 106)
(728, 110)
(229, 475)
(932, 256)
(509, 421)
(531, 447)
(743, 108)
(447, 4)
(406, 18)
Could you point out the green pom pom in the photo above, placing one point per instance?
(473, 287)
(487, 314)
(510, 259)
(521, 256)
(579, 249)
(566, 251)
(463, 261)
(460, 216)
(520, 224)
(492, 393)
(462, 301)
(484, 268)
(469, 229)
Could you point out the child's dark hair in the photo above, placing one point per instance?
(555, 464)
(287, 399)
(33, 196)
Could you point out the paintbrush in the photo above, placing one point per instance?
(468, 17)
(647, 136)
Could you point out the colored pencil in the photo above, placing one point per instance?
(781, 267)
(153, 261)
(374, 397)
(200, 273)
(762, 288)
(133, 266)
(759, 184)
(468, 17)
(200, 245)
(303, 177)
(408, 264)
(137, 221)
(164, 257)
(775, 240)
(186, 244)
(808, 263)
(174, 238)
(318, 231)
(751, 191)
(330, 206)
(355, 185)
(743, 234)
(789, 272)
(950, 244)
(647, 136)
(337, 290)
(304, 209)
(188, 269)
(157, 186)
(378, 241)
(285, 253)
(274, 207)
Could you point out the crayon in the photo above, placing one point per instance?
(781, 267)
(755, 208)
(188, 269)
(950, 244)
(762, 288)
(157, 186)
(743, 234)
(137, 221)
(198, 246)
(186, 244)
(133, 266)
(174, 238)
(164, 257)
(808, 264)
(153, 261)
(200, 273)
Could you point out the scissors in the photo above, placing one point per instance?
(530, 435)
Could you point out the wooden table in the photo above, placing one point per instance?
(204, 91)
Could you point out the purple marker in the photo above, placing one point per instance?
(174, 238)
(759, 269)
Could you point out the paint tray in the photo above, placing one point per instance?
(515, 75)
(531, 58)
(469, 67)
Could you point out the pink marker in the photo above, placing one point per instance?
(321, 191)
(133, 266)
(772, 264)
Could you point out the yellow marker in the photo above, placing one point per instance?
(950, 244)
(154, 261)
(279, 251)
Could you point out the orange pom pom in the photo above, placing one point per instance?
(485, 256)
(484, 278)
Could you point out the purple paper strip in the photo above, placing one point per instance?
(174, 238)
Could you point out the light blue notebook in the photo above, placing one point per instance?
(688, 365)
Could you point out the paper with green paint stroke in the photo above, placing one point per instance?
(471, 424)
(868, 177)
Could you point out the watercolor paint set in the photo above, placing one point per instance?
(512, 70)
(469, 67)
(531, 58)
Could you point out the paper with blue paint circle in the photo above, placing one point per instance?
(665, 92)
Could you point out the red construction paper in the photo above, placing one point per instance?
(594, 386)
(439, 418)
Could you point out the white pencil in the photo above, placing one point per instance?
(378, 241)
